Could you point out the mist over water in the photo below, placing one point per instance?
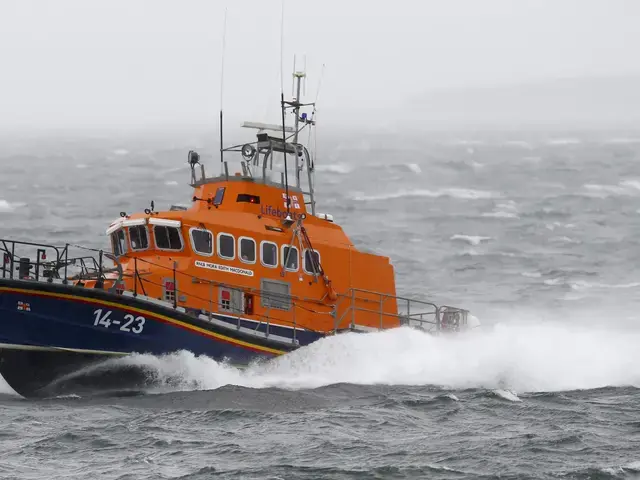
(537, 234)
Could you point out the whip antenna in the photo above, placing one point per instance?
(224, 45)
(282, 107)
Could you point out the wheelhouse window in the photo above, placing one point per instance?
(290, 258)
(139, 237)
(119, 242)
(269, 254)
(167, 238)
(247, 250)
(226, 246)
(217, 200)
(201, 241)
(311, 262)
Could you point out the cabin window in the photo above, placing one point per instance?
(217, 200)
(226, 246)
(167, 238)
(139, 237)
(311, 262)
(119, 242)
(275, 294)
(247, 250)
(201, 241)
(269, 254)
(245, 197)
(290, 258)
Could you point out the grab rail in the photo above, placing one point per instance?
(435, 318)
(416, 313)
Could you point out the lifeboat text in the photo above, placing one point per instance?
(224, 268)
(277, 212)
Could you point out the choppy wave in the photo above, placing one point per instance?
(564, 141)
(459, 193)
(507, 209)
(625, 187)
(6, 206)
(508, 357)
(342, 168)
(470, 239)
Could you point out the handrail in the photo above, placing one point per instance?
(438, 313)
(423, 314)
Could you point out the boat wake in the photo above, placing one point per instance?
(504, 358)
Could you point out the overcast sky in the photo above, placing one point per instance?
(134, 62)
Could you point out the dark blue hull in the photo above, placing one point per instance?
(49, 330)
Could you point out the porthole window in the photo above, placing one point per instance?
(247, 250)
(167, 238)
(311, 262)
(226, 246)
(201, 241)
(119, 243)
(139, 237)
(269, 254)
(290, 258)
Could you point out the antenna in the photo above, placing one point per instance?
(282, 107)
(224, 45)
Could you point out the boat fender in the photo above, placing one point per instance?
(331, 293)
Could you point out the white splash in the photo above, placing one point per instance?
(507, 358)
(470, 239)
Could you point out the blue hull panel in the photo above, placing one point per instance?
(42, 321)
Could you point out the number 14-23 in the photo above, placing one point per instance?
(131, 323)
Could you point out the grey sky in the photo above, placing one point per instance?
(133, 62)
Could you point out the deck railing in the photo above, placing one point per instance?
(50, 260)
(426, 316)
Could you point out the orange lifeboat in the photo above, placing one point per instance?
(249, 269)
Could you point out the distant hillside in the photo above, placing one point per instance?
(607, 102)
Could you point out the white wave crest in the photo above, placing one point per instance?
(470, 239)
(5, 206)
(500, 214)
(625, 187)
(9, 207)
(459, 193)
(564, 141)
(414, 167)
(334, 168)
(171, 183)
(507, 395)
(522, 358)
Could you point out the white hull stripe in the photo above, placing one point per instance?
(14, 346)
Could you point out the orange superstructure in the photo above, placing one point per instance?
(238, 247)
(252, 246)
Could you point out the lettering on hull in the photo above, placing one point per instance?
(224, 268)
